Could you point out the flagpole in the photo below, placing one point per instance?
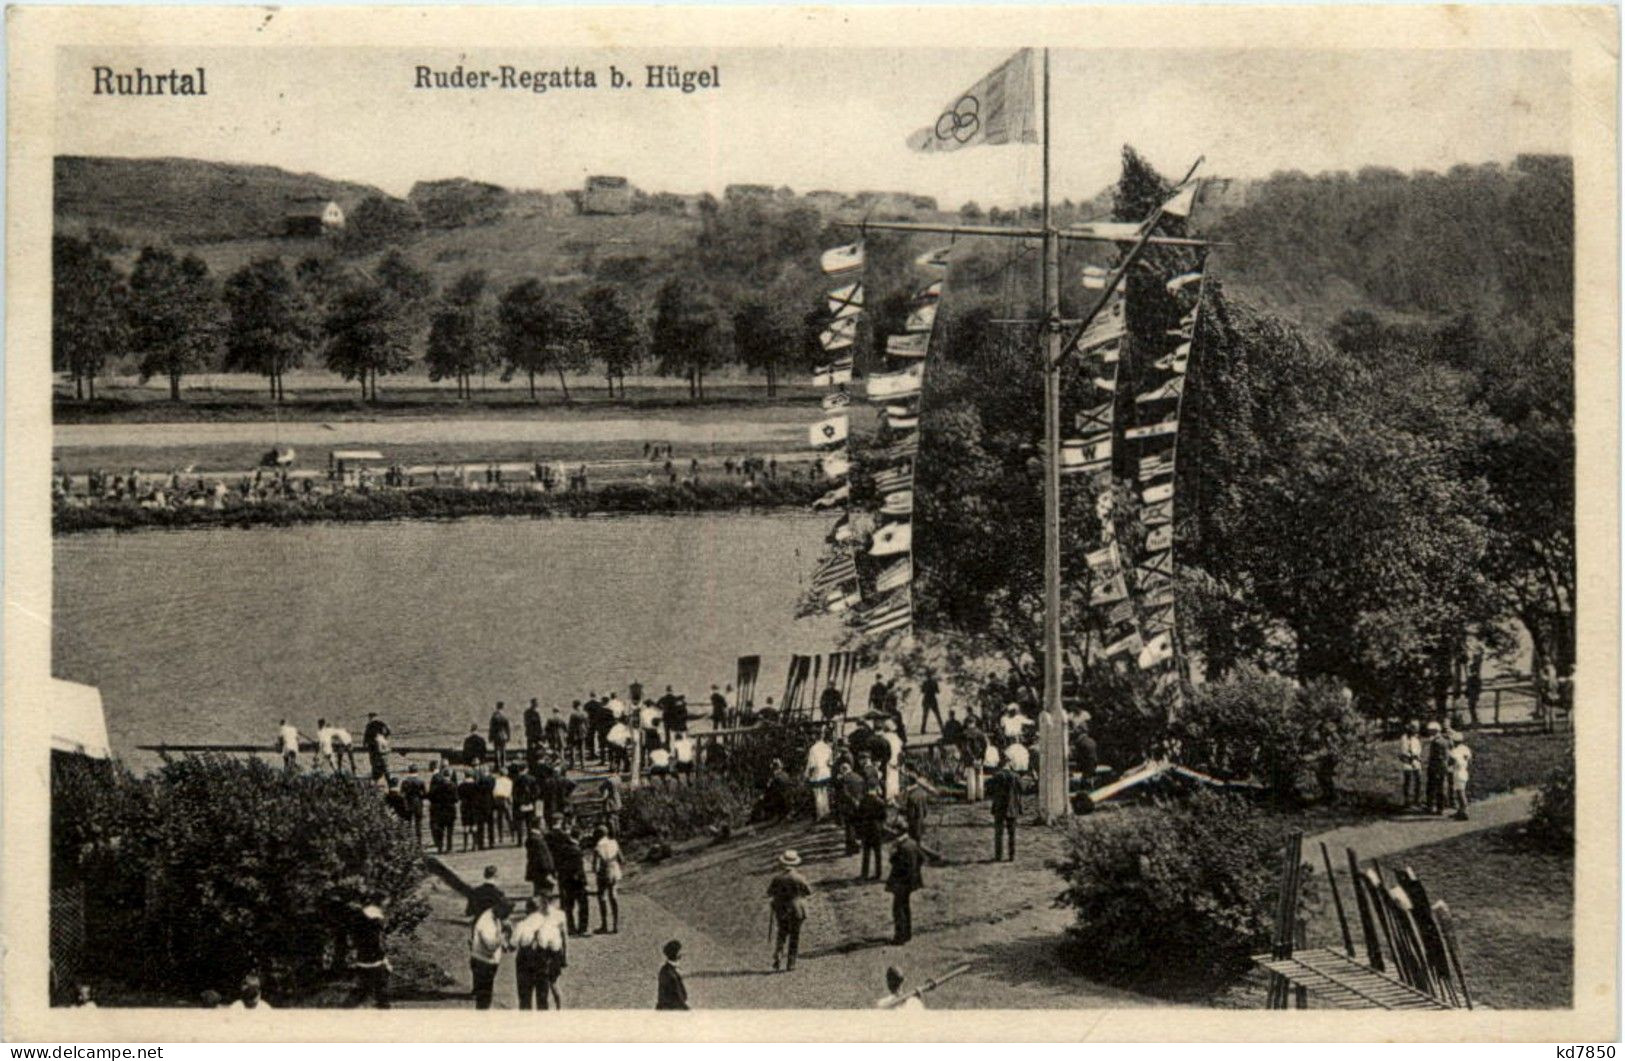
(1052, 794)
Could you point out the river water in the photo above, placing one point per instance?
(213, 635)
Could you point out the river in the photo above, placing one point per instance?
(213, 635)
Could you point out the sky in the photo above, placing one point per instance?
(821, 118)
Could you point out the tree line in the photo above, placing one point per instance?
(738, 295)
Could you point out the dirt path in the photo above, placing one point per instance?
(995, 916)
(1382, 838)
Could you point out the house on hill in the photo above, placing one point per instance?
(312, 216)
(607, 195)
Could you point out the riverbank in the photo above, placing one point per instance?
(442, 502)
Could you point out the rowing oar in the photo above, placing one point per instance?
(929, 985)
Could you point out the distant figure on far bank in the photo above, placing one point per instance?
(500, 732)
(287, 740)
(375, 738)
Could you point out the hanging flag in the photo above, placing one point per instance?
(1183, 280)
(1160, 539)
(838, 496)
(1156, 466)
(895, 575)
(846, 300)
(935, 259)
(1108, 324)
(904, 448)
(905, 422)
(921, 318)
(841, 333)
(1184, 198)
(828, 432)
(1108, 590)
(1106, 383)
(931, 290)
(1103, 562)
(1095, 419)
(891, 539)
(1159, 649)
(1161, 427)
(890, 385)
(836, 374)
(1183, 332)
(843, 597)
(1160, 619)
(838, 400)
(1161, 492)
(889, 615)
(1189, 319)
(1080, 456)
(836, 465)
(1158, 563)
(1109, 351)
(1108, 531)
(1124, 646)
(1095, 277)
(1176, 361)
(1105, 501)
(894, 479)
(1159, 596)
(1116, 231)
(838, 261)
(835, 570)
(1160, 512)
(1169, 391)
(1119, 614)
(996, 110)
(907, 345)
(840, 531)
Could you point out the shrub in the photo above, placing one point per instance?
(1193, 882)
(1253, 724)
(673, 812)
(213, 867)
(1552, 820)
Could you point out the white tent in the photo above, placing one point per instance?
(78, 725)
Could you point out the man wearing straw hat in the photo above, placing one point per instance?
(787, 896)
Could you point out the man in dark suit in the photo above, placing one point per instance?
(533, 734)
(474, 746)
(871, 827)
(830, 704)
(1004, 787)
(672, 992)
(907, 862)
(500, 732)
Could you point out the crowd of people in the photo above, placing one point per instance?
(1443, 761)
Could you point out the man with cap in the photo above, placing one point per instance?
(1005, 789)
(907, 863)
(1438, 753)
(787, 896)
(973, 749)
(871, 822)
(671, 992)
(499, 733)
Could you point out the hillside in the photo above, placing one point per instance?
(186, 201)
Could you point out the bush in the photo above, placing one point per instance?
(673, 812)
(1552, 820)
(213, 867)
(1192, 884)
(1253, 724)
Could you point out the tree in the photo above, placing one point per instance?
(541, 332)
(971, 211)
(463, 333)
(379, 221)
(766, 334)
(174, 318)
(614, 332)
(368, 334)
(688, 333)
(270, 322)
(87, 311)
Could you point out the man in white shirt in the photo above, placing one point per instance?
(620, 744)
(819, 758)
(1410, 765)
(682, 750)
(1014, 723)
(1461, 761)
(616, 706)
(894, 761)
(287, 739)
(490, 936)
(324, 746)
(343, 747)
(1017, 756)
(659, 762)
(249, 997)
(539, 942)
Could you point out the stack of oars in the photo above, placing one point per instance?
(1289, 926)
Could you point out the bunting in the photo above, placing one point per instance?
(836, 584)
